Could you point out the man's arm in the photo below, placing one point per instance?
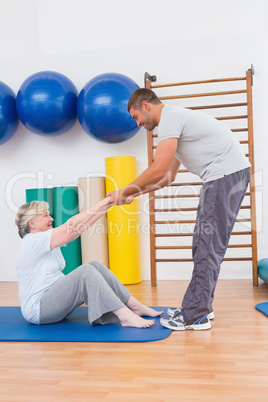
(168, 179)
(155, 174)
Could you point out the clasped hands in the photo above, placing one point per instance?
(117, 197)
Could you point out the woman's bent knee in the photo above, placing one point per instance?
(82, 272)
(99, 266)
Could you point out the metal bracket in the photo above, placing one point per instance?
(148, 77)
(252, 73)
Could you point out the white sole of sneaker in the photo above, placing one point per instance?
(199, 327)
(195, 327)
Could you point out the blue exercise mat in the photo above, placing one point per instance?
(74, 328)
(263, 308)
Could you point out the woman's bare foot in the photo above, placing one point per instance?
(140, 309)
(129, 319)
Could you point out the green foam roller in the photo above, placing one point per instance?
(41, 194)
(65, 206)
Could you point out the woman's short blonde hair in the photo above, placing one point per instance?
(29, 211)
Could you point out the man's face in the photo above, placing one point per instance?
(144, 117)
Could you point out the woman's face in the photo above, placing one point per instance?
(41, 223)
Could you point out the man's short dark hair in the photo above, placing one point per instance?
(140, 95)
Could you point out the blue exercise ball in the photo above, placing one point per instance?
(8, 115)
(102, 108)
(46, 103)
(263, 269)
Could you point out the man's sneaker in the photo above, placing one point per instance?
(177, 323)
(177, 311)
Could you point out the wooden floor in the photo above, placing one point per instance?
(227, 363)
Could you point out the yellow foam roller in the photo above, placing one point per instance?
(123, 222)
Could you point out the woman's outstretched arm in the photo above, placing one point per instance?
(79, 223)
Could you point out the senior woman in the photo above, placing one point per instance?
(47, 295)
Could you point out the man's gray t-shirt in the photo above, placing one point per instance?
(206, 147)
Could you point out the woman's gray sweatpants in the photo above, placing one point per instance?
(92, 284)
(219, 204)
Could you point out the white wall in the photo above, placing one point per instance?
(176, 40)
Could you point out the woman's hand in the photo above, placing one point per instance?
(129, 199)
